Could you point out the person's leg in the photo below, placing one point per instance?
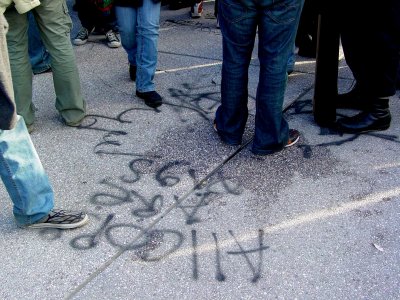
(86, 14)
(276, 31)
(196, 8)
(376, 80)
(362, 40)
(106, 18)
(85, 10)
(353, 48)
(306, 37)
(148, 19)
(238, 22)
(28, 185)
(55, 24)
(292, 56)
(127, 20)
(384, 44)
(352, 40)
(109, 24)
(17, 42)
(398, 77)
(24, 176)
(291, 62)
(20, 167)
(39, 56)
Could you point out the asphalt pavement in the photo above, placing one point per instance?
(177, 214)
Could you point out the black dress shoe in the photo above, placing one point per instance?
(132, 72)
(152, 98)
(374, 119)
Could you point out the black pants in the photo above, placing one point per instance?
(306, 36)
(91, 16)
(370, 36)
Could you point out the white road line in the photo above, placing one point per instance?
(388, 166)
(298, 63)
(295, 222)
(191, 67)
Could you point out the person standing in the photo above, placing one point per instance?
(54, 25)
(38, 55)
(20, 168)
(276, 22)
(370, 37)
(138, 23)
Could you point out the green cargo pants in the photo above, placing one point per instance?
(54, 25)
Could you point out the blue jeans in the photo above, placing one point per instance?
(292, 55)
(138, 28)
(291, 61)
(276, 21)
(24, 176)
(38, 55)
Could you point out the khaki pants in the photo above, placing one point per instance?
(54, 25)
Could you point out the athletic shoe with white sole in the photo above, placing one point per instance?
(82, 37)
(294, 136)
(61, 219)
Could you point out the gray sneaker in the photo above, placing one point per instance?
(113, 39)
(82, 37)
(61, 219)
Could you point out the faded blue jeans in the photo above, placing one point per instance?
(24, 176)
(138, 28)
(38, 55)
(276, 21)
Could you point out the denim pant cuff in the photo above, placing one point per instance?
(259, 151)
(229, 140)
(28, 220)
(23, 175)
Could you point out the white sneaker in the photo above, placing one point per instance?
(197, 10)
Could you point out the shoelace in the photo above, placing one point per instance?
(82, 34)
(62, 217)
(112, 37)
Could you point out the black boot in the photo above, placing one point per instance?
(352, 100)
(376, 118)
